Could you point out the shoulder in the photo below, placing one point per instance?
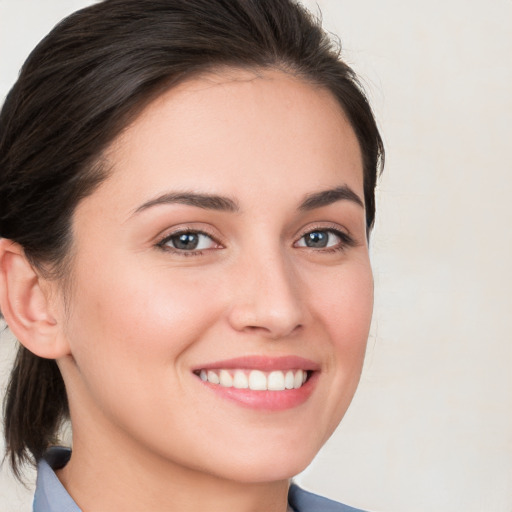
(304, 501)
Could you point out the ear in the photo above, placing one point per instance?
(26, 306)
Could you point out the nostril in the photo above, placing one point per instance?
(267, 316)
(274, 331)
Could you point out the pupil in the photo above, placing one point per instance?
(316, 239)
(186, 241)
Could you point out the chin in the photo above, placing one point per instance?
(265, 465)
(270, 471)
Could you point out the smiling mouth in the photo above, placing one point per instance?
(255, 380)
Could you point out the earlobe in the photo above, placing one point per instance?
(25, 304)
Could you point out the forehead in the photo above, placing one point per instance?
(237, 129)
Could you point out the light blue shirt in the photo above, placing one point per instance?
(51, 496)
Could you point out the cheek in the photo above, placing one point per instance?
(130, 332)
(345, 305)
(131, 322)
(345, 300)
(342, 303)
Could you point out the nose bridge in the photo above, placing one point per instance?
(267, 299)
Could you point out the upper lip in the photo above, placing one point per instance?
(264, 363)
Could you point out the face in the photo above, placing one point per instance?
(221, 286)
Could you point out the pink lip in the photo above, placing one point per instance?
(265, 400)
(263, 363)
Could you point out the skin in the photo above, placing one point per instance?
(140, 317)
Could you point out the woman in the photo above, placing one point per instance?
(187, 191)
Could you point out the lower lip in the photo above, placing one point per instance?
(267, 400)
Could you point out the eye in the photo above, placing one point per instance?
(325, 239)
(187, 241)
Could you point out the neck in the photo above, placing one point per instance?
(129, 479)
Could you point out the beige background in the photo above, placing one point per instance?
(431, 425)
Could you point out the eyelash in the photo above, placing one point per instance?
(346, 241)
(162, 244)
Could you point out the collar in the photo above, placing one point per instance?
(50, 495)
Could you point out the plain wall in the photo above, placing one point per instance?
(431, 425)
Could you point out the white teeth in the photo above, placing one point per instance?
(297, 381)
(225, 379)
(289, 380)
(275, 381)
(240, 380)
(256, 380)
(213, 377)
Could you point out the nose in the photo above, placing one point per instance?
(267, 299)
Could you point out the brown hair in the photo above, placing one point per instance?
(81, 86)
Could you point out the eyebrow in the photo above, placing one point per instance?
(205, 201)
(327, 197)
(226, 204)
